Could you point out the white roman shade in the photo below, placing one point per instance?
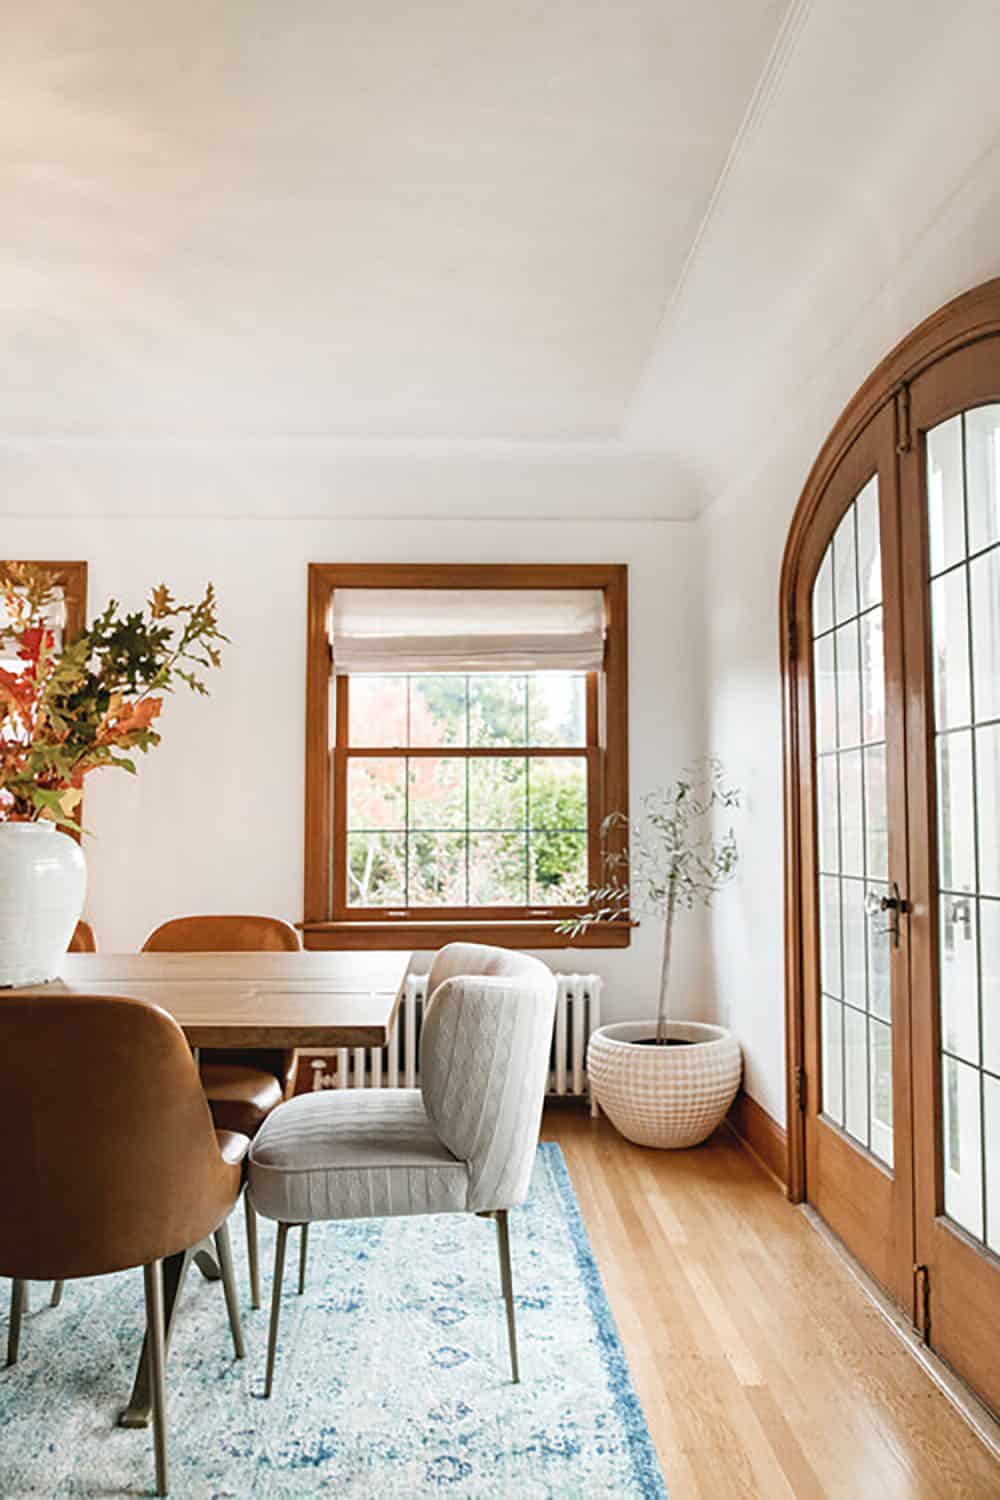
(468, 630)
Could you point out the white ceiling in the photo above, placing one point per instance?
(584, 227)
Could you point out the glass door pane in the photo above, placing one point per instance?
(848, 655)
(963, 513)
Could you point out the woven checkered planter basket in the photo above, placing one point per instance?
(664, 1096)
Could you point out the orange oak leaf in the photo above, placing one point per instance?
(138, 716)
(33, 641)
(21, 691)
(161, 602)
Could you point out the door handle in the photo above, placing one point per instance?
(894, 904)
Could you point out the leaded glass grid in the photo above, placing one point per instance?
(852, 828)
(963, 515)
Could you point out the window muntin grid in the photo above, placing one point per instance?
(963, 517)
(481, 801)
(852, 825)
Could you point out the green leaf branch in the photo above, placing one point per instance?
(669, 858)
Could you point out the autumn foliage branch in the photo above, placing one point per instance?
(70, 709)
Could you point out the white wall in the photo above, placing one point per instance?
(744, 535)
(214, 819)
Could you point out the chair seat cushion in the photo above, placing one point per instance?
(240, 1098)
(353, 1154)
(233, 1148)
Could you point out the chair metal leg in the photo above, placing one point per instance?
(253, 1257)
(507, 1282)
(57, 1291)
(303, 1256)
(18, 1300)
(272, 1339)
(224, 1251)
(153, 1280)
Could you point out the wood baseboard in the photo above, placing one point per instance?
(761, 1134)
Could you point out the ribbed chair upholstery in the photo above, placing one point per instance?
(110, 1159)
(463, 1143)
(242, 1087)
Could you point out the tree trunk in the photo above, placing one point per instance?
(668, 935)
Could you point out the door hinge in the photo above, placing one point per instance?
(800, 1088)
(793, 638)
(922, 1301)
(904, 437)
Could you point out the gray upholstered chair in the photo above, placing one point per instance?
(464, 1142)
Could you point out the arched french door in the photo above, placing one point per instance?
(891, 602)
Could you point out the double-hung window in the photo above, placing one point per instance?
(466, 738)
(66, 615)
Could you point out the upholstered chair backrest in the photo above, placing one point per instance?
(109, 1158)
(458, 959)
(484, 1063)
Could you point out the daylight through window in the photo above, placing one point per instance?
(467, 790)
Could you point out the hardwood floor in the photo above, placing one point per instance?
(763, 1369)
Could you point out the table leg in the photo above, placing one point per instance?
(175, 1269)
(205, 1260)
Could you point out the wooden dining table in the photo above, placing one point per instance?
(242, 1000)
(246, 1000)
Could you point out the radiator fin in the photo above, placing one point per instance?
(578, 1013)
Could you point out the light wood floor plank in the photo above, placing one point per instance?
(764, 1371)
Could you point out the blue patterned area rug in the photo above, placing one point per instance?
(392, 1378)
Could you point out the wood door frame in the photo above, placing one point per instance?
(963, 1299)
(866, 1202)
(973, 316)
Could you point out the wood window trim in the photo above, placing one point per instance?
(966, 320)
(608, 773)
(72, 577)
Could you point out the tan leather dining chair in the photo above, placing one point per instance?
(110, 1158)
(242, 1087)
(83, 939)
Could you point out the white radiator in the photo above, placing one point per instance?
(397, 1066)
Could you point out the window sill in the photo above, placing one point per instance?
(431, 934)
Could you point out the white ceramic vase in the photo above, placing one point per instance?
(43, 880)
(664, 1096)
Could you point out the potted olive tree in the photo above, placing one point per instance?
(664, 1082)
